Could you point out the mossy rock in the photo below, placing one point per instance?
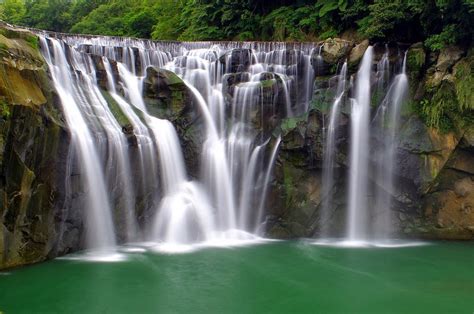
(237, 60)
(166, 95)
(416, 59)
(119, 115)
(463, 73)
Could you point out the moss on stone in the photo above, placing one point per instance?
(438, 111)
(463, 73)
(174, 79)
(4, 110)
(119, 115)
(268, 83)
(290, 124)
(415, 59)
(33, 41)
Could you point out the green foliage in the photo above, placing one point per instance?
(464, 81)
(115, 109)
(3, 48)
(107, 19)
(12, 11)
(199, 21)
(288, 23)
(448, 22)
(444, 111)
(52, 15)
(33, 41)
(328, 6)
(4, 110)
(386, 15)
(168, 25)
(439, 41)
(416, 59)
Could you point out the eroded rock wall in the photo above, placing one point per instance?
(34, 147)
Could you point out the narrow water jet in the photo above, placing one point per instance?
(357, 223)
(330, 151)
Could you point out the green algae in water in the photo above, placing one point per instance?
(281, 277)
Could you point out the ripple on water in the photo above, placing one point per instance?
(393, 243)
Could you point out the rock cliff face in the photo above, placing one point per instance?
(33, 154)
(435, 191)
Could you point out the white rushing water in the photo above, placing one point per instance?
(371, 219)
(330, 150)
(76, 97)
(227, 201)
(359, 150)
(391, 107)
(133, 177)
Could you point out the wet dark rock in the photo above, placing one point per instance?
(167, 97)
(230, 80)
(237, 60)
(101, 73)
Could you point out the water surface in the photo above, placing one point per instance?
(276, 277)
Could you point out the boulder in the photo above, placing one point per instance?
(335, 49)
(166, 96)
(357, 53)
(448, 57)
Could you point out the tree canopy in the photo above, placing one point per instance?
(436, 22)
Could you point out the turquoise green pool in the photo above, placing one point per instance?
(276, 277)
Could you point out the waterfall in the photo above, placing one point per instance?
(133, 175)
(392, 103)
(357, 225)
(75, 94)
(329, 163)
(383, 73)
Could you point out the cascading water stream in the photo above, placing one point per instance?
(236, 89)
(100, 229)
(227, 201)
(357, 224)
(392, 103)
(330, 153)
